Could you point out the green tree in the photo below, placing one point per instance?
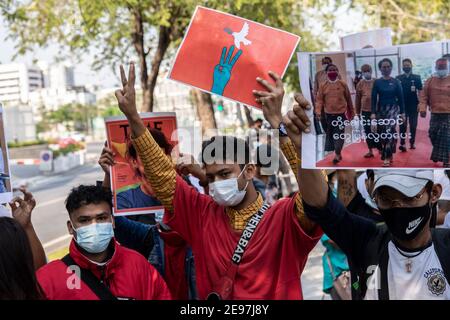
(111, 111)
(411, 20)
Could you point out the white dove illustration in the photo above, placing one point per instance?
(239, 36)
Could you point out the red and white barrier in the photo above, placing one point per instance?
(24, 161)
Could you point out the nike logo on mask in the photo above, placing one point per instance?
(413, 225)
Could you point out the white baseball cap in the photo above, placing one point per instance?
(408, 182)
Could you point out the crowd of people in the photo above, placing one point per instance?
(220, 239)
(388, 106)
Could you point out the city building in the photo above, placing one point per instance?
(17, 82)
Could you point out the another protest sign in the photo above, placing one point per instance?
(224, 54)
(406, 127)
(133, 194)
(6, 193)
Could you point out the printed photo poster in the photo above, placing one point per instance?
(224, 54)
(397, 115)
(6, 193)
(132, 193)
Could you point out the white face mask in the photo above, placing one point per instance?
(226, 192)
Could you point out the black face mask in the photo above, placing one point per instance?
(406, 223)
(407, 69)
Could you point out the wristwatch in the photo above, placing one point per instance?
(282, 130)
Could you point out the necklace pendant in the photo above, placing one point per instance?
(408, 266)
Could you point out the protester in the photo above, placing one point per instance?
(143, 195)
(272, 263)
(17, 275)
(165, 250)
(436, 96)
(387, 104)
(336, 279)
(334, 99)
(403, 259)
(353, 199)
(363, 105)
(442, 177)
(411, 87)
(21, 252)
(108, 270)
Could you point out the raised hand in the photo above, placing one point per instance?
(272, 99)
(222, 71)
(106, 159)
(127, 96)
(22, 208)
(186, 164)
(297, 121)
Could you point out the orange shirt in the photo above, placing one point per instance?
(363, 100)
(436, 95)
(334, 97)
(321, 77)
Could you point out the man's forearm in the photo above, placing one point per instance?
(39, 258)
(313, 187)
(158, 167)
(106, 181)
(136, 124)
(346, 186)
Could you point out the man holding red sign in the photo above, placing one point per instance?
(214, 225)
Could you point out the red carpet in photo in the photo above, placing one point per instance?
(353, 154)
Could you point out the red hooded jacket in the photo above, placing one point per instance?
(127, 274)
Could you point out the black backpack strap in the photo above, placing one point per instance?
(100, 289)
(441, 241)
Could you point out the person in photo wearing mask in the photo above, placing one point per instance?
(335, 100)
(387, 104)
(411, 86)
(436, 97)
(101, 268)
(363, 105)
(270, 245)
(405, 258)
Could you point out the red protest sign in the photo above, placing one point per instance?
(223, 54)
(132, 192)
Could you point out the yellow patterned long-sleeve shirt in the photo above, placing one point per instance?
(161, 174)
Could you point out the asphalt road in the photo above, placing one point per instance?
(50, 216)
